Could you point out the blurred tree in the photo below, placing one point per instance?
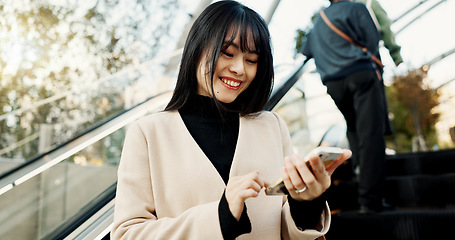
(48, 48)
(411, 104)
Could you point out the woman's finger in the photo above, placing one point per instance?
(294, 172)
(346, 154)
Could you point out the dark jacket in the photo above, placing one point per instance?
(334, 56)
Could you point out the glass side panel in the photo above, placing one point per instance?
(311, 115)
(292, 109)
(40, 204)
(77, 63)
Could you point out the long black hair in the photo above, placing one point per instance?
(208, 35)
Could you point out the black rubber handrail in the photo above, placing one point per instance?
(279, 92)
(74, 138)
(69, 225)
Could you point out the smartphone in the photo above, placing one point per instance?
(328, 155)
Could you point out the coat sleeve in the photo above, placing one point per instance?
(135, 216)
(289, 230)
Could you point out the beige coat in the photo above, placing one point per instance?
(168, 189)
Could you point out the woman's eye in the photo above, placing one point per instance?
(252, 61)
(227, 54)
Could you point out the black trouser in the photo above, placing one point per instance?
(358, 98)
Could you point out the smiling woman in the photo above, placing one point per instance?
(234, 71)
(191, 171)
(242, 48)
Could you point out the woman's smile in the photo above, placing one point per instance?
(231, 83)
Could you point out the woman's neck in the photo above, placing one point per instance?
(206, 107)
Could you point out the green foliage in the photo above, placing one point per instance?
(301, 34)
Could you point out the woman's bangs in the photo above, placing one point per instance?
(250, 40)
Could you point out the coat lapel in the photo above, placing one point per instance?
(200, 158)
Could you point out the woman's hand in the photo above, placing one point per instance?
(298, 176)
(241, 188)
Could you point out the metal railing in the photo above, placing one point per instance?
(44, 161)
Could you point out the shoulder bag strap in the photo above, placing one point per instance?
(349, 39)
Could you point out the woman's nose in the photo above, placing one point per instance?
(237, 66)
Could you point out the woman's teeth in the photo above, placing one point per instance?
(231, 83)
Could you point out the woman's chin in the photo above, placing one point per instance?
(226, 99)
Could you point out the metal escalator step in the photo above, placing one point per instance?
(416, 224)
(403, 191)
(432, 163)
(421, 190)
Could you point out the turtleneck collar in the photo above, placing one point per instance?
(205, 107)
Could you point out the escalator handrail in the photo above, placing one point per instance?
(71, 224)
(278, 93)
(35, 165)
(90, 129)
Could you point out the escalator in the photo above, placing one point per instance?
(66, 193)
(69, 191)
(416, 182)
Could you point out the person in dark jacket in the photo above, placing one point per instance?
(353, 83)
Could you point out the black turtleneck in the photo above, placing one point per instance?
(216, 132)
